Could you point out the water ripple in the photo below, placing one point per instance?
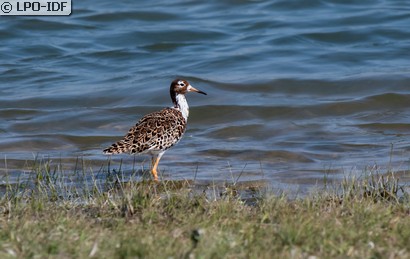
(296, 89)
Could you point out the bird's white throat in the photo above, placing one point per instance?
(182, 105)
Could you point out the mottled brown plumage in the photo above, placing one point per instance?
(155, 132)
(158, 131)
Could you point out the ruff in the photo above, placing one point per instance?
(158, 131)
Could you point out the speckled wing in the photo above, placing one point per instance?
(154, 132)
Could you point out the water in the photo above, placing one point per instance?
(298, 91)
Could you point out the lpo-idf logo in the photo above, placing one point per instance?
(35, 7)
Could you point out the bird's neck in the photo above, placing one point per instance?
(181, 104)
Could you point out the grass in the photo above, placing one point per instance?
(46, 217)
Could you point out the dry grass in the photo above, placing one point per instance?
(47, 217)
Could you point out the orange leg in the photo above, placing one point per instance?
(154, 163)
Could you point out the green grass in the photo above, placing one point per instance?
(367, 217)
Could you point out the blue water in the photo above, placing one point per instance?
(297, 90)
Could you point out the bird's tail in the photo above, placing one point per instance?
(117, 148)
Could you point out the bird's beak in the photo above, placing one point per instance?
(193, 89)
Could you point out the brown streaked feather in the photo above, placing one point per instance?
(156, 131)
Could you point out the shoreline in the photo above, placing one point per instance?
(360, 217)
